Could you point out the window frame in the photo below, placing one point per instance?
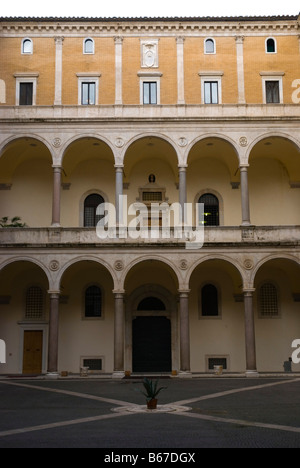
(210, 76)
(26, 78)
(84, 46)
(217, 198)
(88, 78)
(87, 286)
(269, 76)
(84, 207)
(218, 289)
(214, 43)
(148, 77)
(26, 39)
(275, 45)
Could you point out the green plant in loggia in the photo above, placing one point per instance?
(14, 222)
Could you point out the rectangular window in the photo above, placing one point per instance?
(211, 94)
(88, 94)
(272, 92)
(26, 94)
(149, 92)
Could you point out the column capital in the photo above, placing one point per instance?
(183, 167)
(239, 39)
(118, 39)
(59, 40)
(119, 166)
(244, 167)
(54, 294)
(180, 39)
(248, 291)
(119, 292)
(184, 292)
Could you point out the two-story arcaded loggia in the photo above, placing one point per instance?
(173, 111)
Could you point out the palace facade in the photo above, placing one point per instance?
(183, 111)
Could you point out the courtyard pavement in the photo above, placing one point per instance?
(214, 412)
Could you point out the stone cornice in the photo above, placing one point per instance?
(148, 26)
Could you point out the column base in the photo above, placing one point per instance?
(252, 373)
(118, 375)
(185, 374)
(52, 375)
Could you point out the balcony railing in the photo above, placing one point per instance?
(222, 235)
(199, 112)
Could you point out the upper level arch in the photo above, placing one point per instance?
(23, 141)
(213, 144)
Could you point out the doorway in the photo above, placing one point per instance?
(32, 352)
(151, 344)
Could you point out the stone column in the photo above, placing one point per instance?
(52, 371)
(118, 70)
(185, 367)
(58, 71)
(56, 196)
(119, 331)
(245, 196)
(180, 71)
(240, 68)
(119, 193)
(182, 189)
(251, 369)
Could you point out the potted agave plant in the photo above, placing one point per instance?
(151, 390)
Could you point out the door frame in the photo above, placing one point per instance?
(33, 326)
(132, 302)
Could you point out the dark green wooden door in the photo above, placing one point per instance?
(151, 344)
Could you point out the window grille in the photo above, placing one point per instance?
(152, 196)
(94, 364)
(268, 300)
(218, 361)
(34, 303)
(93, 302)
(91, 204)
(211, 209)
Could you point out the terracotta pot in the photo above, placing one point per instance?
(152, 404)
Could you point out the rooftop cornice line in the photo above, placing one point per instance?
(154, 19)
(281, 24)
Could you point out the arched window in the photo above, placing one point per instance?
(93, 302)
(211, 209)
(34, 309)
(151, 303)
(209, 46)
(271, 45)
(209, 301)
(27, 46)
(268, 300)
(91, 204)
(88, 46)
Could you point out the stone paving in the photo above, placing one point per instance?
(192, 413)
